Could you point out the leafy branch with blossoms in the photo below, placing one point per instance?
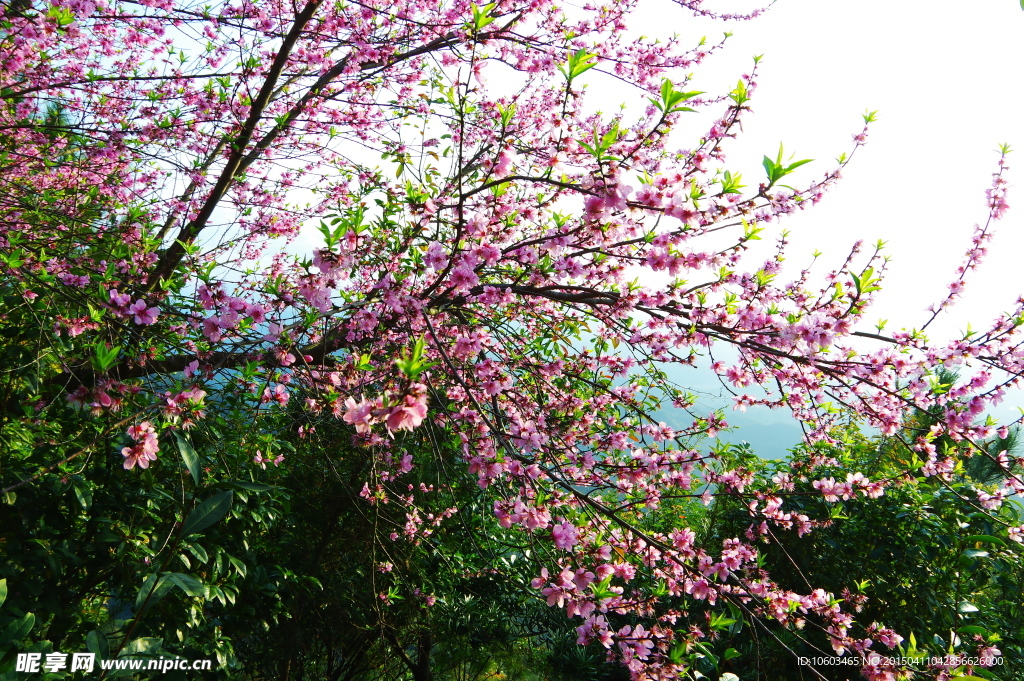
(516, 276)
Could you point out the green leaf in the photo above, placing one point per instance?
(671, 98)
(199, 552)
(207, 513)
(18, 629)
(96, 642)
(142, 646)
(482, 16)
(736, 613)
(776, 169)
(239, 565)
(793, 166)
(189, 456)
(720, 621)
(506, 113)
(579, 62)
(601, 590)
(153, 589)
(61, 15)
(104, 357)
(3, 591)
(411, 363)
(84, 497)
(740, 95)
(966, 606)
(187, 583)
(973, 629)
(985, 538)
(244, 485)
(610, 137)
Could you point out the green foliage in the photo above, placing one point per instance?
(104, 559)
(482, 16)
(579, 62)
(450, 603)
(924, 559)
(412, 363)
(199, 557)
(97, 558)
(670, 100)
(778, 168)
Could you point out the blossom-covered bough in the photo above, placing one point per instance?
(510, 269)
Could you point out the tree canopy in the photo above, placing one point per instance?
(449, 403)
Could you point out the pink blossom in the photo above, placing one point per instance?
(256, 313)
(488, 253)
(410, 411)
(436, 257)
(279, 394)
(262, 461)
(503, 163)
(69, 279)
(988, 655)
(1016, 534)
(145, 450)
(565, 534)
(143, 315)
(360, 413)
(463, 277)
(211, 329)
(118, 300)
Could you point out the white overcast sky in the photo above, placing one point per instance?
(946, 79)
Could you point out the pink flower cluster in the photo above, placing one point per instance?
(139, 311)
(405, 413)
(106, 396)
(262, 461)
(183, 407)
(834, 491)
(146, 446)
(229, 312)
